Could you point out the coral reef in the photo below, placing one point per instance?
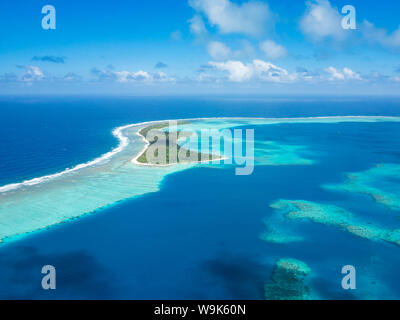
(288, 281)
(337, 217)
(382, 183)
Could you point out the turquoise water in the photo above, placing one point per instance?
(200, 231)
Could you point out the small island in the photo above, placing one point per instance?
(170, 151)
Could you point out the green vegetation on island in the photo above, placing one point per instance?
(164, 148)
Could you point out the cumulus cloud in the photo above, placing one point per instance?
(28, 75)
(345, 74)
(350, 74)
(31, 74)
(197, 26)
(256, 70)
(273, 50)
(218, 50)
(53, 59)
(250, 18)
(128, 76)
(322, 21)
(238, 72)
(380, 36)
(264, 71)
(267, 71)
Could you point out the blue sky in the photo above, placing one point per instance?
(200, 47)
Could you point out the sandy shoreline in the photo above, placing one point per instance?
(118, 133)
(26, 208)
(147, 144)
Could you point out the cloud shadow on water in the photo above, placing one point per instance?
(242, 277)
(78, 275)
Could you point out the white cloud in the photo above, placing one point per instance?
(322, 21)
(72, 77)
(249, 18)
(259, 70)
(350, 74)
(197, 26)
(162, 77)
(381, 36)
(273, 50)
(32, 73)
(334, 74)
(269, 72)
(218, 50)
(126, 76)
(134, 77)
(345, 74)
(238, 72)
(256, 70)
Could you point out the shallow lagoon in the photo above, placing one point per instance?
(207, 241)
(45, 201)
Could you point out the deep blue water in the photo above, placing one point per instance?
(197, 238)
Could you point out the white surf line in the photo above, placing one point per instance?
(117, 132)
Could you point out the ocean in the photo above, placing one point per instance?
(199, 236)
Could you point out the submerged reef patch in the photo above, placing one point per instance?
(277, 231)
(271, 153)
(274, 235)
(332, 215)
(288, 281)
(382, 183)
(42, 202)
